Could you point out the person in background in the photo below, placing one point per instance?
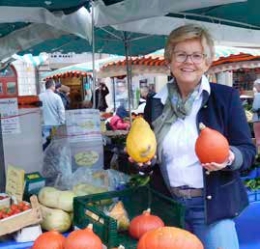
(87, 102)
(212, 194)
(121, 94)
(64, 91)
(117, 121)
(144, 94)
(256, 111)
(144, 91)
(100, 96)
(53, 111)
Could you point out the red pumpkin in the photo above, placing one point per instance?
(140, 224)
(170, 238)
(211, 146)
(49, 240)
(83, 239)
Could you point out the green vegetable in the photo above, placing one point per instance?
(138, 180)
(253, 184)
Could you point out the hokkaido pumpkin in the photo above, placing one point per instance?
(170, 238)
(211, 146)
(140, 224)
(140, 141)
(49, 240)
(83, 239)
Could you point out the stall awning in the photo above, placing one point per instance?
(226, 58)
(82, 69)
(150, 64)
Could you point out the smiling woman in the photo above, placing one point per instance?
(175, 113)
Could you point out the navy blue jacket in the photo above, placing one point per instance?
(224, 192)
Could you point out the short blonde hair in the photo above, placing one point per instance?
(189, 32)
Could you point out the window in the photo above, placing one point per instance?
(8, 72)
(11, 88)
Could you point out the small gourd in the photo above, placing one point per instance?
(170, 238)
(141, 141)
(211, 146)
(140, 224)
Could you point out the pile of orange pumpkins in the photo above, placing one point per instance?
(148, 229)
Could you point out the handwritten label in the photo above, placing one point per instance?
(9, 116)
(15, 182)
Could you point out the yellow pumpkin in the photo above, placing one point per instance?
(141, 141)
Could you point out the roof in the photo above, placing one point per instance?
(155, 63)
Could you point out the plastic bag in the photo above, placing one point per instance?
(89, 181)
(57, 161)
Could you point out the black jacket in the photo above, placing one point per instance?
(224, 192)
(100, 97)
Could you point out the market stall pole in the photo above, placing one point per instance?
(129, 76)
(2, 161)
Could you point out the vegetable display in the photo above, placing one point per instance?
(211, 146)
(14, 209)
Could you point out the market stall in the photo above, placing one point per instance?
(242, 69)
(240, 64)
(79, 78)
(79, 83)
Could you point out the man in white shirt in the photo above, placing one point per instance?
(53, 110)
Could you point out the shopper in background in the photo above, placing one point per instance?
(212, 193)
(87, 102)
(145, 93)
(53, 111)
(256, 111)
(117, 121)
(64, 92)
(100, 96)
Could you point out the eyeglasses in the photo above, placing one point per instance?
(181, 57)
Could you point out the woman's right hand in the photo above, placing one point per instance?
(144, 168)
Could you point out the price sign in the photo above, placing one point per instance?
(15, 182)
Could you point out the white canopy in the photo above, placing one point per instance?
(148, 17)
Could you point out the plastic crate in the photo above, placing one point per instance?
(135, 201)
(253, 195)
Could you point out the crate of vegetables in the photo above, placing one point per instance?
(20, 215)
(5, 201)
(96, 209)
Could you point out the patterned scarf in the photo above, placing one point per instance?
(174, 108)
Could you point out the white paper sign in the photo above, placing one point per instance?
(83, 125)
(9, 116)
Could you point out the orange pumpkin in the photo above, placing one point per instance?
(49, 240)
(140, 224)
(211, 146)
(170, 238)
(83, 239)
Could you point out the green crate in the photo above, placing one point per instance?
(135, 201)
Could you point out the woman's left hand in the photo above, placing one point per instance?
(219, 166)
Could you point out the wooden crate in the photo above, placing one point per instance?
(21, 220)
